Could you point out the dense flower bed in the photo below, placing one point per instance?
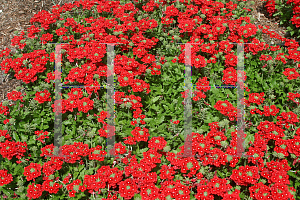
(149, 71)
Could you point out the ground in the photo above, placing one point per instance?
(16, 14)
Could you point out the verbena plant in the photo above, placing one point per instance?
(149, 69)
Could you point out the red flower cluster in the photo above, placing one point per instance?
(256, 98)
(46, 38)
(231, 60)
(230, 76)
(5, 178)
(51, 186)
(32, 30)
(198, 61)
(5, 134)
(157, 143)
(6, 121)
(9, 149)
(5, 52)
(127, 188)
(42, 135)
(85, 104)
(270, 5)
(245, 175)
(74, 187)
(44, 18)
(19, 40)
(42, 96)
(294, 146)
(287, 118)
(14, 95)
(202, 85)
(291, 73)
(32, 171)
(227, 109)
(292, 96)
(73, 153)
(97, 154)
(61, 31)
(119, 149)
(53, 165)
(268, 111)
(34, 191)
(140, 134)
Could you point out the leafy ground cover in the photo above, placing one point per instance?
(149, 68)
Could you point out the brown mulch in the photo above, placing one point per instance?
(262, 18)
(16, 14)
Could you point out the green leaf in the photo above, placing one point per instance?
(155, 99)
(45, 127)
(172, 107)
(67, 122)
(137, 197)
(6, 192)
(148, 119)
(273, 83)
(16, 137)
(31, 141)
(248, 139)
(253, 62)
(17, 168)
(76, 174)
(161, 127)
(166, 107)
(160, 119)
